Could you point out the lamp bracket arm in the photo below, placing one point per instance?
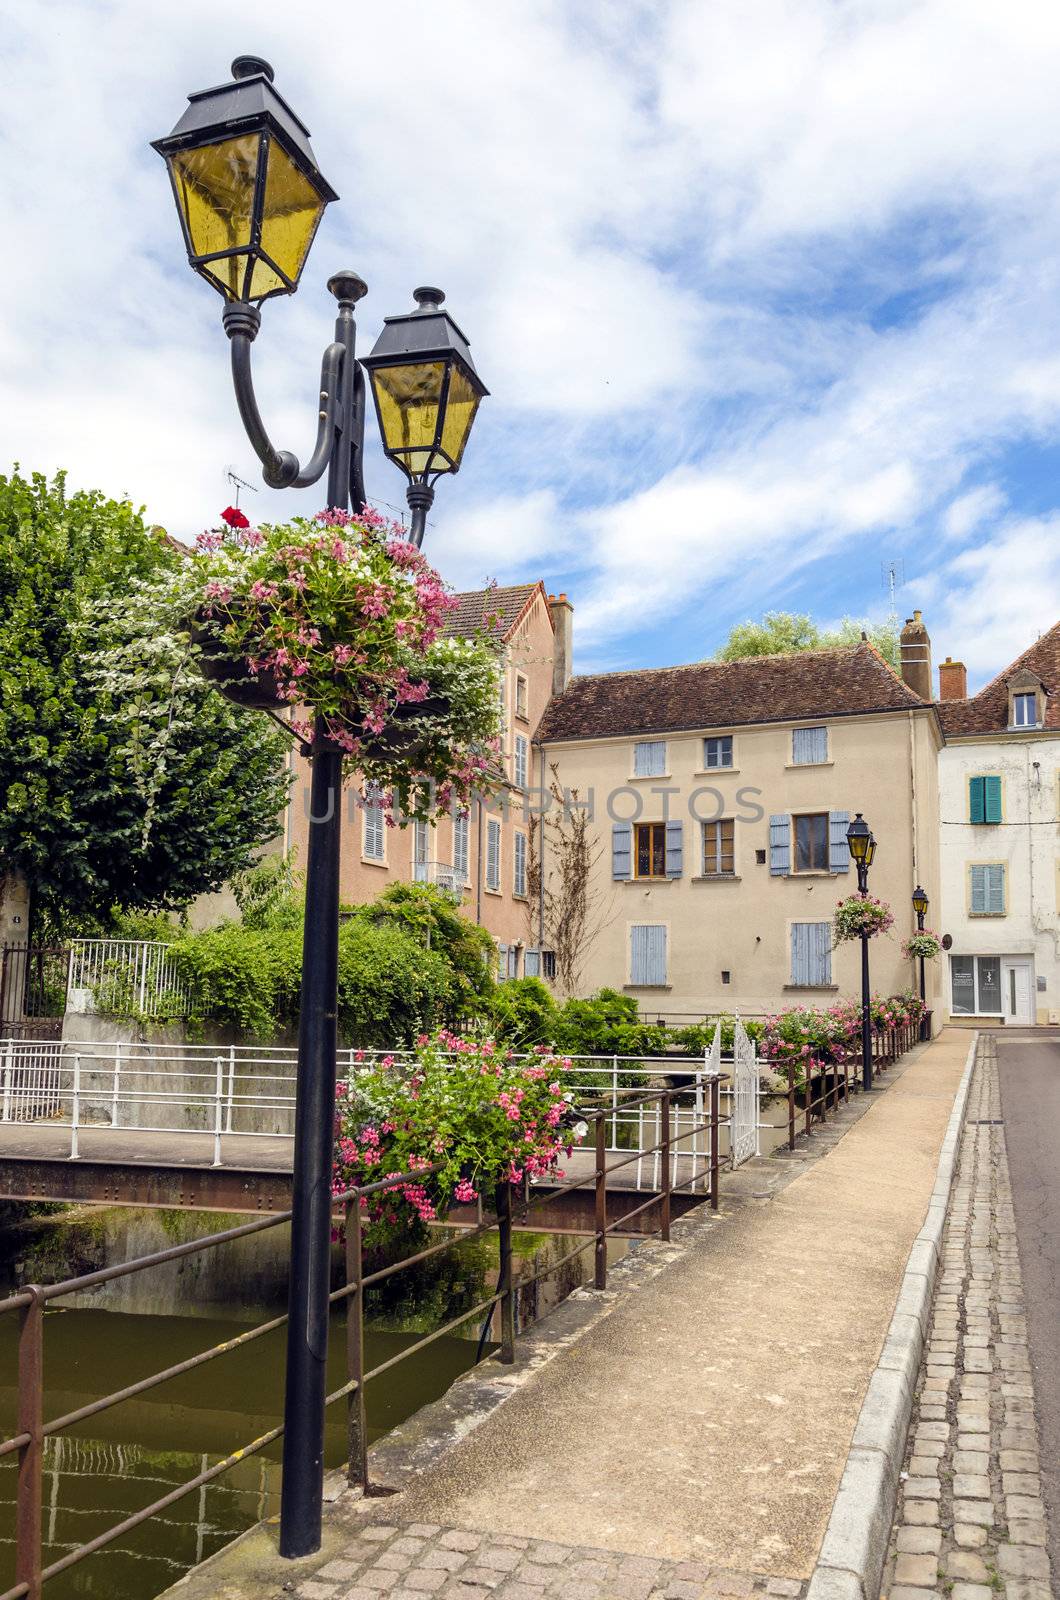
(281, 468)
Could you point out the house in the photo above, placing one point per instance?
(999, 797)
(720, 794)
(480, 855)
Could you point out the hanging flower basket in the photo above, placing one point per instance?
(924, 946)
(342, 617)
(860, 914)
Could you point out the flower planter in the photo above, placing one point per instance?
(404, 732)
(230, 676)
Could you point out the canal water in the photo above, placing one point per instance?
(100, 1472)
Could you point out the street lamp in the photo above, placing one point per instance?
(920, 905)
(862, 845)
(250, 197)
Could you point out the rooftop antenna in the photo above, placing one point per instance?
(239, 483)
(892, 576)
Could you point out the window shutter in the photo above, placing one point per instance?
(674, 848)
(800, 953)
(647, 964)
(502, 961)
(977, 799)
(809, 745)
(779, 846)
(649, 758)
(978, 894)
(995, 889)
(820, 952)
(622, 850)
(991, 799)
(838, 849)
(532, 964)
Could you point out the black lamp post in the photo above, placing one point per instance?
(862, 849)
(250, 198)
(920, 905)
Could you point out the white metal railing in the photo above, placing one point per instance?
(125, 977)
(248, 1091)
(441, 873)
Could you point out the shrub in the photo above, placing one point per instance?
(432, 917)
(523, 1013)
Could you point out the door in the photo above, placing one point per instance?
(1016, 991)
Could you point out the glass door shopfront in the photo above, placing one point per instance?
(991, 986)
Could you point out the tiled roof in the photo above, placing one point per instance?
(499, 609)
(987, 711)
(720, 694)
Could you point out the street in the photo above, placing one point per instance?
(1029, 1070)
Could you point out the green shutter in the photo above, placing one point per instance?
(977, 799)
(992, 799)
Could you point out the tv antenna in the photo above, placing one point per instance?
(239, 483)
(892, 577)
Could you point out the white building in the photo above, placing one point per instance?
(999, 805)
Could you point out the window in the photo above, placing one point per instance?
(986, 889)
(521, 761)
(718, 752)
(519, 866)
(811, 842)
(650, 839)
(373, 844)
(649, 758)
(647, 955)
(420, 853)
(521, 699)
(811, 954)
(493, 855)
(461, 851)
(975, 986)
(809, 746)
(548, 963)
(719, 846)
(1025, 710)
(984, 799)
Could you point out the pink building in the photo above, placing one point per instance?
(481, 856)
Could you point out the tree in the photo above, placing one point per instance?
(431, 915)
(782, 631)
(568, 890)
(124, 779)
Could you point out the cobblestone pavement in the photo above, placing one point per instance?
(419, 1559)
(971, 1520)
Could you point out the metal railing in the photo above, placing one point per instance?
(822, 1086)
(441, 873)
(33, 1429)
(126, 977)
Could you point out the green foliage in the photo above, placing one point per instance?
(124, 781)
(523, 1013)
(431, 916)
(780, 632)
(249, 978)
(267, 893)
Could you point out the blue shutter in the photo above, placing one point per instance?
(532, 964)
(647, 963)
(978, 894)
(809, 746)
(838, 849)
(977, 799)
(674, 848)
(622, 850)
(992, 799)
(649, 758)
(820, 952)
(995, 889)
(800, 953)
(780, 846)
(502, 961)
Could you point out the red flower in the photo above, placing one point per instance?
(234, 517)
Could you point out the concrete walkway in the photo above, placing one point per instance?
(701, 1425)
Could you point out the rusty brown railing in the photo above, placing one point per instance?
(835, 1081)
(32, 1429)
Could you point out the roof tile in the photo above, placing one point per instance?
(987, 711)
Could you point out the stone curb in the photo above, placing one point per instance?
(851, 1558)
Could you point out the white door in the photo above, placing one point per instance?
(1016, 991)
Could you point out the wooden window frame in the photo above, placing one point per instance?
(804, 816)
(716, 827)
(656, 829)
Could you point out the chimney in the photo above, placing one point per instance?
(916, 656)
(953, 680)
(563, 648)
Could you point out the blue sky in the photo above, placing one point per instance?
(765, 291)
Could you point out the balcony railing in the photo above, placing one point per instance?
(442, 874)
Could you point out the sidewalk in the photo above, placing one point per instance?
(970, 1521)
(691, 1441)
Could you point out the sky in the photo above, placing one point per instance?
(766, 292)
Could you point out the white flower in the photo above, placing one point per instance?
(569, 1098)
(580, 1129)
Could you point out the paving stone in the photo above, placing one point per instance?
(971, 1461)
(923, 1466)
(426, 1580)
(1020, 1506)
(971, 1591)
(422, 1530)
(923, 1489)
(786, 1588)
(1022, 1483)
(377, 1578)
(457, 1539)
(1022, 1561)
(921, 1570)
(312, 1590)
(501, 1560)
(548, 1555)
(447, 1560)
(971, 1486)
(966, 1564)
(487, 1577)
(920, 1512)
(920, 1541)
(730, 1583)
(339, 1569)
(379, 1531)
(528, 1572)
(394, 1560)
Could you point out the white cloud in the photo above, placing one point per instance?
(1000, 596)
(668, 229)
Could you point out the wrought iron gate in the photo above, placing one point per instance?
(33, 982)
(744, 1131)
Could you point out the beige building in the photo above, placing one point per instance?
(720, 795)
(480, 855)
